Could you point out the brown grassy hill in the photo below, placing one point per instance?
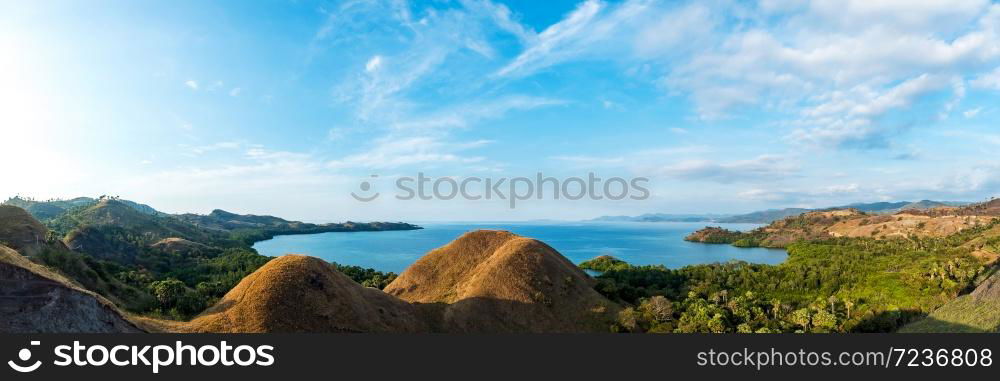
(496, 281)
(20, 231)
(827, 224)
(303, 294)
(905, 224)
(808, 226)
(34, 299)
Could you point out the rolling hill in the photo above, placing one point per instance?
(304, 294)
(771, 215)
(34, 299)
(497, 281)
(978, 311)
(485, 281)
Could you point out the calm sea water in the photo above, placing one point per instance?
(634, 242)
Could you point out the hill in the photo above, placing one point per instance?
(988, 208)
(496, 281)
(20, 231)
(49, 209)
(850, 223)
(769, 216)
(485, 281)
(304, 294)
(714, 235)
(34, 299)
(764, 217)
(249, 228)
(661, 217)
(979, 311)
(114, 230)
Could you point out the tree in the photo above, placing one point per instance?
(628, 319)
(167, 291)
(801, 317)
(824, 320)
(658, 308)
(775, 307)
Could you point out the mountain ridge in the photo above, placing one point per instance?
(770, 215)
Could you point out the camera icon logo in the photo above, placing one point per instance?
(366, 187)
(24, 355)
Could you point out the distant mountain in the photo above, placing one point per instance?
(771, 215)
(49, 209)
(877, 207)
(765, 216)
(251, 228)
(661, 217)
(928, 204)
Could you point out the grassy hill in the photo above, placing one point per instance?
(485, 281)
(39, 300)
(979, 311)
(149, 262)
(248, 228)
(304, 294)
(847, 271)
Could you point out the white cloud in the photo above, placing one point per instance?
(373, 64)
(761, 168)
(468, 113)
(971, 113)
(847, 118)
(203, 149)
(990, 80)
(569, 33)
(394, 152)
(336, 133)
(235, 92)
(823, 196)
(191, 84)
(590, 160)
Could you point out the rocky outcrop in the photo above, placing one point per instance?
(34, 299)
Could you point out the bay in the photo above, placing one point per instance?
(640, 243)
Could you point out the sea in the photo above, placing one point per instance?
(638, 243)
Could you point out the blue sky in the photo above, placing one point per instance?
(284, 107)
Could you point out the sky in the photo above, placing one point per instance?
(286, 107)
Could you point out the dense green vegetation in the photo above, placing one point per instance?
(715, 235)
(604, 263)
(366, 276)
(118, 249)
(833, 285)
